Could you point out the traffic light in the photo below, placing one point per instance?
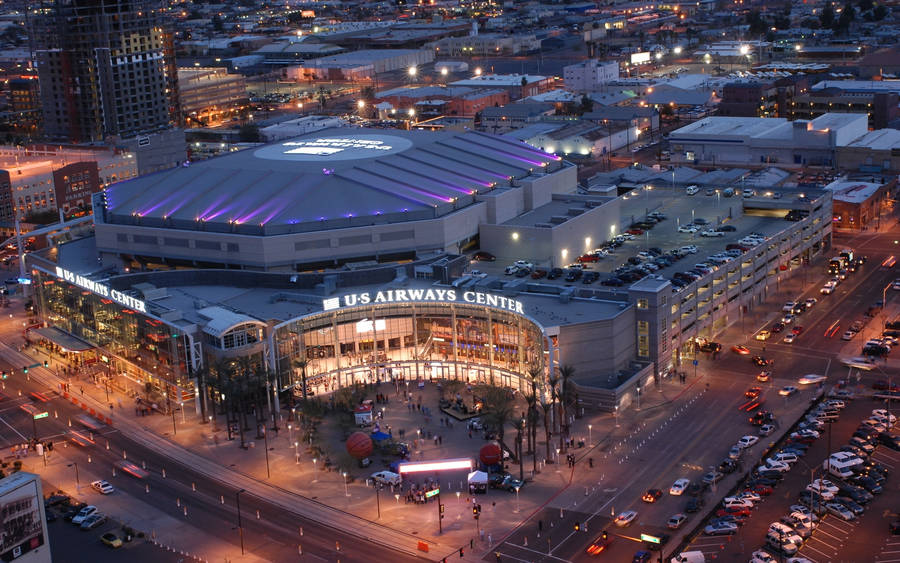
(605, 535)
(46, 364)
(24, 369)
(577, 527)
(442, 510)
(4, 374)
(461, 552)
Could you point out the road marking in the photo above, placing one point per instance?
(3, 420)
(878, 560)
(817, 551)
(508, 556)
(895, 551)
(832, 525)
(820, 540)
(541, 553)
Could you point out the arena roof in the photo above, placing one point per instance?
(328, 179)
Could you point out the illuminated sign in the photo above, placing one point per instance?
(427, 295)
(367, 325)
(441, 465)
(333, 145)
(332, 149)
(640, 58)
(102, 290)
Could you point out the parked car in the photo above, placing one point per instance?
(102, 487)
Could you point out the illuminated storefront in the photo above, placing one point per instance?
(412, 340)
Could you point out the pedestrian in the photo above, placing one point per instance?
(82, 390)
(440, 440)
(591, 462)
(470, 433)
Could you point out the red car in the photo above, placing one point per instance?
(797, 330)
(740, 349)
(635, 231)
(600, 544)
(589, 258)
(763, 490)
(652, 495)
(753, 392)
(736, 511)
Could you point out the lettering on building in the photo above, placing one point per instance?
(420, 295)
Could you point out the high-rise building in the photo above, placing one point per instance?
(106, 68)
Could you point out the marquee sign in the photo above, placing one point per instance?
(422, 295)
(102, 290)
(333, 149)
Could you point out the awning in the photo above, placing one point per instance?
(63, 339)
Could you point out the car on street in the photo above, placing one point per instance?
(386, 478)
(625, 518)
(777, 327)
(787, 390)
(651, 496)
(600, 544)
(93, 521)
(720, 529)
(766, 429)
(641, 556)
(763, 376)
(102, 487)
(763, 335)
(482, 256)
(679, 486)
(675, 521)
(84, 513)
(760, 361)
(747, 441)
(811, 379)
(111, 540)
(740, 349)
(753, 392)
(713, 477)
(694, 504)
(789, 338)
(840, 511)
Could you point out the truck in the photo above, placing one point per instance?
(841, 464)
(689, 557)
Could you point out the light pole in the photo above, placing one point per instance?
(77, 482)
(315, 470)
(346, 489)
(616, 414)
(237, 497)
(517, 500)
(290, 432)
(266, 442)
(297, 451)
(377, 498)
(590, 434)
(181, 405)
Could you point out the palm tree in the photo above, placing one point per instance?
(534, 376)
(301, 364)
(566, 372)
(552, 381)
(546, 407)
(499, 409)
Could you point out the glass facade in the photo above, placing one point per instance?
(410, 341)
(136, 346)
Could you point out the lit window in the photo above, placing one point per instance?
(643, 304)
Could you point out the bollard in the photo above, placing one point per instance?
(301, 531)
(185, 511)
(194, 487)
(70, 423)
(124, 455)
(147, 488)
(89, 459)
(107, 444)
(560, 512)
(164, 473)
(222, 499)
(337, 546)
(144, 464)
(55, 414)
(526, 541)
(257, 514)
(299, 549)
(178, 502)
(114, 471)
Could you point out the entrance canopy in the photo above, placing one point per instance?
(63, 339)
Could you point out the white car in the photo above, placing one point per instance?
(804, 510)
(386, 478)
(884, 414)
(84, 513)
(824, 493)
(789, 338)
(786, 457)
(728, 502)
(691, 190)
(810, 302)
(720, 529)
(761, 556)
(859, 362)
(840, 511)
(625, 518)
(477, 274)
(806, 432)
(788, 306)
(102, 487)
(766, 429)
(828, 288)
(690, 229)
(788, 318)
(747, 441)
(811, 378)
(689, 249)
(679, 486)
(711, 233)
(772, 465)
(750, 495)
(787, 390)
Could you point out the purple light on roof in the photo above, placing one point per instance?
(205, 214)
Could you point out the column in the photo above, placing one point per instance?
(490, 336)
(455, 342)
(415, 341)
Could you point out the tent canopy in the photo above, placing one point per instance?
(477, 477)
(379, 436)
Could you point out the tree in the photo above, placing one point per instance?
(301, 364)
(499, 408)
(587, 104)
(566, 372)
(535, 374)
(848, 14)
(827, 17)
(546, 407)
(880, 12)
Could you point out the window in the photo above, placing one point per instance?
(643, 304)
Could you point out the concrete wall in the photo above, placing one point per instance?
(578, 346)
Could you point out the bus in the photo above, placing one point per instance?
(835, 265)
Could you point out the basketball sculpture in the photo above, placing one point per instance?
(489, 454)
(359, 445)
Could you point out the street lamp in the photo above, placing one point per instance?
(297, 451)
(290, 432)
(346, 489)
(590, 434)
(616, 415)
(517, 500)
(237, 497)
(315, 470)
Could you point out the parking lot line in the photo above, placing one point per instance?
(820, 540)
(827, 557)
(879, 560)
(838, 538)
(832, 522)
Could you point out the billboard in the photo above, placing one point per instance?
(23, 523)
(640, 58)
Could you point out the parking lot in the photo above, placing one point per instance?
(864, 538)
(677, 210)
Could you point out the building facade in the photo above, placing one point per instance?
(104, 68)
(590, 75)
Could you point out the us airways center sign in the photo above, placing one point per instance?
(423, 295)
(102, 290)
